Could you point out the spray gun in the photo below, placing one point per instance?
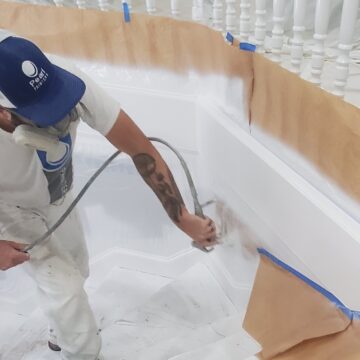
(44, 139)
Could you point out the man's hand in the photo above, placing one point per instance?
(202, 231)
(11, 254)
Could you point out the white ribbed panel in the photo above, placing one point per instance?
(297, 48)
(260, 25)
(218, 15)
(198, 10)
(231, 16)
(151, 6)
(245, 6)
(278, 30)
(104, 5)
(174, 6)
(322, 15)
(81, 4)
(347, 27)
(59, 3)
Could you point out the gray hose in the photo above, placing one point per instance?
(197, 206)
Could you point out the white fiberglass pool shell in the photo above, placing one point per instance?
(262, 201)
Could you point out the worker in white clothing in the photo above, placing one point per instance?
(42, 100)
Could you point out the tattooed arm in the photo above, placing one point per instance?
(127, 137)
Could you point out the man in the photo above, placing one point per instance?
(40, 107)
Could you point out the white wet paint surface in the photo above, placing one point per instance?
(151, 317)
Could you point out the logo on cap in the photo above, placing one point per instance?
(38, 78)
(30, 69)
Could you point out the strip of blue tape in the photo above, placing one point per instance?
(247, 46)
(349, 313)
(229, 38)
(126, 12)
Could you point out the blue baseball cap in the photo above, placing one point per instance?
(33, 87)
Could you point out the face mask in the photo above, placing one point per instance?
(61, 128)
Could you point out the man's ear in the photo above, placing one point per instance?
(5, 114)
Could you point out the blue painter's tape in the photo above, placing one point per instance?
(229, 38)
(247, 46)
(126, 12)
(349, 313)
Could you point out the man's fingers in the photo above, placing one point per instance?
(19, 257)
(17, 246)
(212, 226)
(211, 233)
(11, 254)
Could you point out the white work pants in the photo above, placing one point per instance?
(59, 267)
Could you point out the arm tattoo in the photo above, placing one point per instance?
(164, 187)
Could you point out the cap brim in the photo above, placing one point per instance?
(64, 92)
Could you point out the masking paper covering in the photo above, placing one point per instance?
(293, 318)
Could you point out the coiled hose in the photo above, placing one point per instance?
(197, 206)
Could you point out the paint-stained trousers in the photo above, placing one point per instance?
(59, 268)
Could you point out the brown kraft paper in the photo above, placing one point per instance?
(293, 321)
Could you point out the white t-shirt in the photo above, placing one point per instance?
(28, 179)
